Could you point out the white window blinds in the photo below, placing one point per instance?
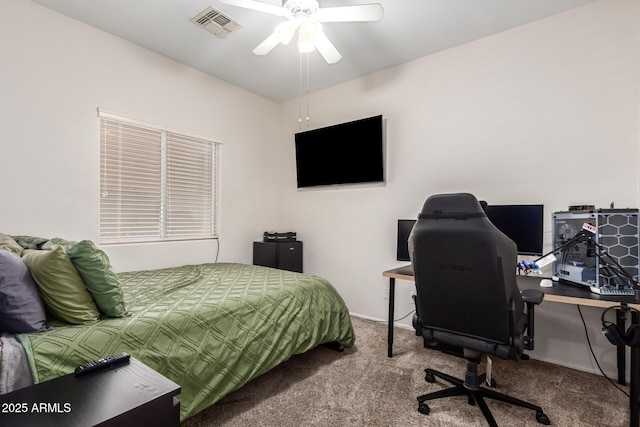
(156, 184)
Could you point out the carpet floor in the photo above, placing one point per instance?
(363, 387)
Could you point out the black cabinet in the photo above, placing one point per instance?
(126, 395)
(282, 255)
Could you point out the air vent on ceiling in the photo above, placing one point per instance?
(216, 22)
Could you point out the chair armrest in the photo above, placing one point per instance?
(534, 296)
(531, 297)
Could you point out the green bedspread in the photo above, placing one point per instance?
(210, 328)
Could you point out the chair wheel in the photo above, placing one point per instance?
(471, 401)
(423, 408)
(430, 378)
(542, 418)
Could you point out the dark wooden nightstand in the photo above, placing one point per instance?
(130, 394)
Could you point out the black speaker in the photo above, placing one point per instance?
(630, 337)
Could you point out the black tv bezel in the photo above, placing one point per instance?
(340, 176)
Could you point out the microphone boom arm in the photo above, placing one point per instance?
(609, 263)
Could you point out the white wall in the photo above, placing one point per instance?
(543, 113)
(55, 72)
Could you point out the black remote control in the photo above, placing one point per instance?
(99, 364)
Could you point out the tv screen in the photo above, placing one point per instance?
(347, 153)
(521, 223)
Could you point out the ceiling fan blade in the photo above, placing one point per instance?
(267, 45)
(256, 5)
(361, 13)
(327, 49)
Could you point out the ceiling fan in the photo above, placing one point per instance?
(306, 17)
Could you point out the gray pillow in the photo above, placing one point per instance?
(21, 308)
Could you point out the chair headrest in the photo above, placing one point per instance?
(452, 206)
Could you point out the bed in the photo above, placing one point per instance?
(210, 328)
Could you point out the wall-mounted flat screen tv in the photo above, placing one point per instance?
(347, 153)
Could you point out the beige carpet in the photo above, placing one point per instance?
(362, 387)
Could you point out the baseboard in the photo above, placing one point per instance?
(378, 320)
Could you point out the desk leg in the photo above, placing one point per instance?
(635, 378)
(392, 294)
(621, 349)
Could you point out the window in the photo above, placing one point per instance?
(156, 183)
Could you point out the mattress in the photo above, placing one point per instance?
(210, 328)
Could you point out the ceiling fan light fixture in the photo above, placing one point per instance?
(308, 32)
(310, 27)
(306, 44)
(285, 31)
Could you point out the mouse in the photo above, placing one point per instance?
(546, 283)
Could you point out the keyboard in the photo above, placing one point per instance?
(606, 290)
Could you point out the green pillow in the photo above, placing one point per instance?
(99, 278)
(30, 242)
(61, 286)
(56, 241)
(9, 244)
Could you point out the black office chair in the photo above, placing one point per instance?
(467, 296)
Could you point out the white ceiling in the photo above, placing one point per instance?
(410, 29)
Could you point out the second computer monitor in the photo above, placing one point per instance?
(521, 223)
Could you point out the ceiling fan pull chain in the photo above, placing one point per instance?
(301, 96)
(300, 91)
(308, 89)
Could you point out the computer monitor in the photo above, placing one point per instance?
(404, 229)
(521, 223)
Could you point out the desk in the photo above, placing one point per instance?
(562, 293)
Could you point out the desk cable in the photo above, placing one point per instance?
(404, 317)
(584, 324)
(397, 320)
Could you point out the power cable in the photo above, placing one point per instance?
(586, 332)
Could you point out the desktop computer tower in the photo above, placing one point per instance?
(617, 234)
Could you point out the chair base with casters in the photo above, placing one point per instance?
(471, 387)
